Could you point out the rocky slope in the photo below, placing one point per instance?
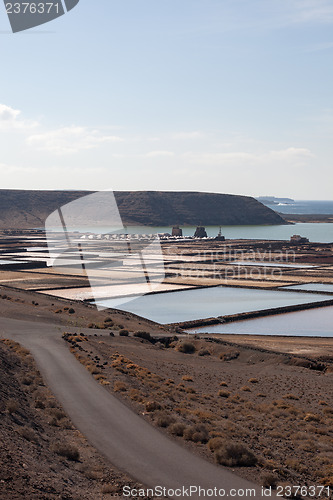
(29, 209)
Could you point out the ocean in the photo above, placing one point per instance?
(304, 207)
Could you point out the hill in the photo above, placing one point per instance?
(20, 209)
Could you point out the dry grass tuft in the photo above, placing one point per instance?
(120, 386)
(66, 450)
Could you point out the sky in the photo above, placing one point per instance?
(227, 96)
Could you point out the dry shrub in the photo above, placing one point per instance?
(123, 333)
(143, 335)
(229, 355)
(28, 434)
(39, 404)
(246, 388)
(57, 413)
(109, 489)
(190, 390)
(120, 386)
(204, 352)
(66, 450)
(204, 414)
(27, 380)
(177, 429)
(311, 417)
(327, 481)
(223, 384)
(93, 370)
(253, 380)
(152, 406)
(235, 455)
(163, 419)
(295, 464)
(224, 394)
(186, 347)
(187, 378)
(135, 395)
(269, 480)
(215, 443)
(12, 406)
(291, 396)
(197, 433)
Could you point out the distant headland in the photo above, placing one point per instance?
(24, 209)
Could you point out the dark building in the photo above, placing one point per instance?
(219, 237)
(176, 231)
(200, 232)
(296, 238)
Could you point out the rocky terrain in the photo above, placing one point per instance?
(265, 414)
(42, 456)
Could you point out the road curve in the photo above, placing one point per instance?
(125, 438)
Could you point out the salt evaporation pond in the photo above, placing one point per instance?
(308, 323)
(209, 302)
(312, 287)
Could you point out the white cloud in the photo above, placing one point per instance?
(188, 135)
(314, 10)
(10, 119)
(70, 140)
(155, 154)
(303, 11)
(150, 154)
(292, 155)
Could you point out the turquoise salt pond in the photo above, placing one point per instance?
(309, 323)
(201, 303)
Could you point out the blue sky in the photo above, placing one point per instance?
(229, 96)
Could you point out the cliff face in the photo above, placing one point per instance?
(29, 209)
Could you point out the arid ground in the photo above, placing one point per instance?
(260, 405)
